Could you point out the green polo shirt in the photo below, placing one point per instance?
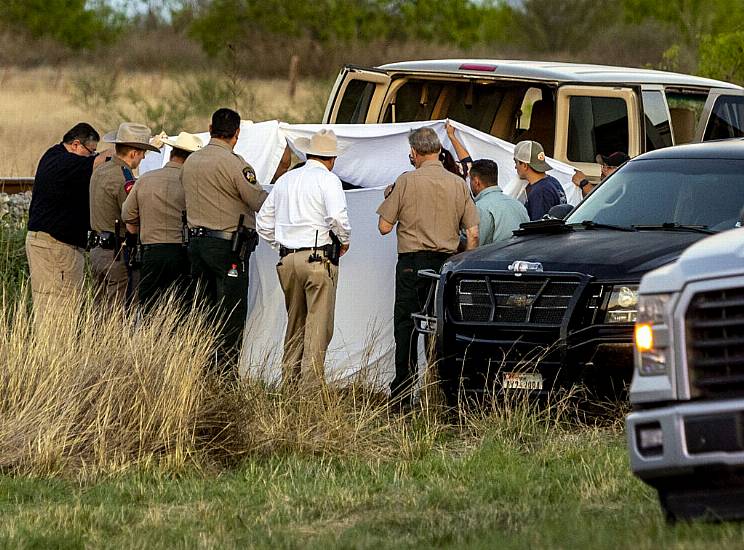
(499, 215)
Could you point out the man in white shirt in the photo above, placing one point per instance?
(305, 205)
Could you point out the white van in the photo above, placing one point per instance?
(575, 111)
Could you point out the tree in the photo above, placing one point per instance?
(70, 22)
(722, 57)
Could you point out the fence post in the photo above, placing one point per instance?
(294, 73)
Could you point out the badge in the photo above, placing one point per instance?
(249, 175)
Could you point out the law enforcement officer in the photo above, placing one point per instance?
(305, 206)
(154, 209)
(221, 190)
(58, 219)
(430, 207)
(109, 187)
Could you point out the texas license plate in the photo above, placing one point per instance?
(522, 381)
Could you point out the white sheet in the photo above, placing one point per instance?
(372, 156)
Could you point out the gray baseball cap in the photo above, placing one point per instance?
(533, 154)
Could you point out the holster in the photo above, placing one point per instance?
(333, 251)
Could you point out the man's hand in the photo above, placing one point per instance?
(344, 249)
(384, 226)
(578, 177)
(157, 141)
(450, 129)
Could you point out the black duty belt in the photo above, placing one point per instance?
(283, 250)
(196, 232)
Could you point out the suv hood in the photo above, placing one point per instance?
(717, 256)
(604, 254)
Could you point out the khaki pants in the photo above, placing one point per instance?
(57, 270)
(310, 297)
(109, 277)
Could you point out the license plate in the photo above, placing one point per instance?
(522, 381)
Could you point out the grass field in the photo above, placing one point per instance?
(37, 106)
(554, 491)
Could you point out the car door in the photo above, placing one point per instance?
(357, 95)
(592, 120)
(723, 115)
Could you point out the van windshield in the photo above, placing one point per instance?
(699, 192)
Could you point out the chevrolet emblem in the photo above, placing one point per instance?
(520, 300)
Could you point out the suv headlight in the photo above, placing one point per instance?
(623, 304)
(652, 335)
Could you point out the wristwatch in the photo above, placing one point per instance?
(583, 183)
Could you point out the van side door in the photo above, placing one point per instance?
(723, 115)
(596, 120)
(357, 95)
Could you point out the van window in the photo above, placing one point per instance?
(474, 104)
(726, 119)
(685, 110)
(596, 125)
(355, 103)
(658, 131)
(414, 101)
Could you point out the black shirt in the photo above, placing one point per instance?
(59, 202)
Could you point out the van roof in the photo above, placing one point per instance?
(553, 71)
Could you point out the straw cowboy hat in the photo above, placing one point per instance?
(185, 141)
(133, 135)
(322, 144)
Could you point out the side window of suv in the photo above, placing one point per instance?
(726, 119)
(596, 125)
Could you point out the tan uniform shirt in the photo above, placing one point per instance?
(430, 206)
(107, 195)
(155, 204)
(219, 187)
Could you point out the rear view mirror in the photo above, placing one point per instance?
(560, 211)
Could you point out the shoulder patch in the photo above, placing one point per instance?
(249, 174)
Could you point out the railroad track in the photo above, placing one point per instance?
(15, 185)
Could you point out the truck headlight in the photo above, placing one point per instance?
(623, 304)
(652, 335)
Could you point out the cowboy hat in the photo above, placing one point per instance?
(322, 144)
(185, 141)
(133, 135)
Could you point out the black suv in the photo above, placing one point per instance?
(555, 304)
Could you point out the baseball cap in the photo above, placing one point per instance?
(533, 154)
(618, 158)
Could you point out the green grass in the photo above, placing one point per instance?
(563, 491)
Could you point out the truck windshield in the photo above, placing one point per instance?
(706, 193)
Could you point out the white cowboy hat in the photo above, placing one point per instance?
(322, 144)
(185, 141)
(132, 134)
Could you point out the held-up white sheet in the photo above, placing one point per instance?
(372, 156)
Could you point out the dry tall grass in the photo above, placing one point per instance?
(38, 105)
(86, 393)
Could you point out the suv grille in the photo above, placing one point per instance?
(715, 343)
(512, 300)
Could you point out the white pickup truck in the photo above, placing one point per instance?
(686, 431)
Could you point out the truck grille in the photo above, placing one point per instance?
(715, 343)
(512, 300)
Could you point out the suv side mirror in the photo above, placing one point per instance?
(560, 211)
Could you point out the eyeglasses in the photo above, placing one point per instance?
(90, 152)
